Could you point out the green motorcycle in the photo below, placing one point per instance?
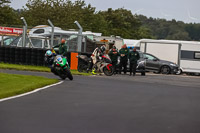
(62, 67)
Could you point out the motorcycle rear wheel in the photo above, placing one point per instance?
(82, 68)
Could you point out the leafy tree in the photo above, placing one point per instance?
(193, 31)
(63, 13)
(2, 2)
(7, 15)
(121, 22)
(173, 30)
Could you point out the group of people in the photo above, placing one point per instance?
(124, 54)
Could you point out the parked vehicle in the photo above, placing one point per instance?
(7, 40)
(140, 66)
(83, 63)
(184, 53)
(103, 66)
(32, 42)
(152, 63)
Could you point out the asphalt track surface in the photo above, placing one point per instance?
(100, 104)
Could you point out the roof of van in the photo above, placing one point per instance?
(169, 41)
(58, 30)
(131, 42)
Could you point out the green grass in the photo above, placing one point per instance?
(34, 68)
(13, 84)
(24, 67)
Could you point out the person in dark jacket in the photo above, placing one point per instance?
(124, 51)
(62, 48)
(113, 54)
(134, 56)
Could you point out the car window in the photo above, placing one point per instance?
(8, 41)
(141, 55)
(36, 42)
(46, 43)
(149, 57)
(14, 43)
(39, 31)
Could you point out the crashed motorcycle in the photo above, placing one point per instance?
(104, 65)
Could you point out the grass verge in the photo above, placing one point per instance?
(13, 84)
(34, 68)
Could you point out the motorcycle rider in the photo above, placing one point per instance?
(124, 51)
(134, 56)
(96, 57)
(113, 54)
(49, 59)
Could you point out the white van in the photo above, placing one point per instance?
(32, 42)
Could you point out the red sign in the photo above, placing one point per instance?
(8, 30)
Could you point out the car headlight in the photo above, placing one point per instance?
(174, 65)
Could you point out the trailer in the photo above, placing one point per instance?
(71, 36)
(184, 53)
(130, 43)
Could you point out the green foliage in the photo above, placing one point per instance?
(7, 15)
(2, 2)
(62, 13)
(34, 68)
(194, 31)
(172, 30)
(119, 22)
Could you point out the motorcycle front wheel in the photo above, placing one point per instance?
(69, 74)
(108, 72)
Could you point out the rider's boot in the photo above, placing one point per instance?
(93, 71)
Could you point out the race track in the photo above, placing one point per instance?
(100, 104)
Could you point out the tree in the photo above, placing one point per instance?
(121, 22)
(173, 30)
(62, 13)
(193, 31)
(2, 2)
(7, 14)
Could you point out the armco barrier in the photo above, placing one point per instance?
(2, 54)
(26, 56)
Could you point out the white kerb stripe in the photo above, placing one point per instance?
(31, 92)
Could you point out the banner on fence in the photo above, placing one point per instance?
(10, 31)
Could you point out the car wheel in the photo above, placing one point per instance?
(179, 72)
(165, 70)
